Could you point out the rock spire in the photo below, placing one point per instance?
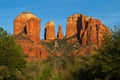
(50, 31)
(60, 34)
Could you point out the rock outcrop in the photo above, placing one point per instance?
(50, 31)
(79, 28)
(88, 30)
(33, 51)
(28, 24)
(60, 34)
(27, 35)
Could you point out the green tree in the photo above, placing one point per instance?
(12, 59)
(3, 32)
(107, 63)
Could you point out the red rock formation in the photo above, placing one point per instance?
(88, 30)
(33, 51)
(28, 24)
(27, 35)
(60, 34)
(50, 31)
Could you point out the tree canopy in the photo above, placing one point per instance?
(11, 56)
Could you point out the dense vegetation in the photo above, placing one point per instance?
(12, 59)
(102, 66)
(105, 65)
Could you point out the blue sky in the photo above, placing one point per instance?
(108, 11)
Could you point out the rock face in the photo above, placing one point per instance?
(71, 27)
(88, 30)
(33, 51)
(60, 34)
(28, 24)
(27, 35)
(50, 31)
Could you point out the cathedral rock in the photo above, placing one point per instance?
(60, 34)
(88, 30)
(50, 31)
(28, 24)
(79, 28)
(27, 35)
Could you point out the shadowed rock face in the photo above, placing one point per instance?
(60, 34)
(28, 24)
(88, 30)
(50, 31)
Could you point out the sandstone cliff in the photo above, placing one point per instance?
(50, 31)
(88, 30)
(27, 35)
(60, 34)
(33, 51)
(28, 24)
